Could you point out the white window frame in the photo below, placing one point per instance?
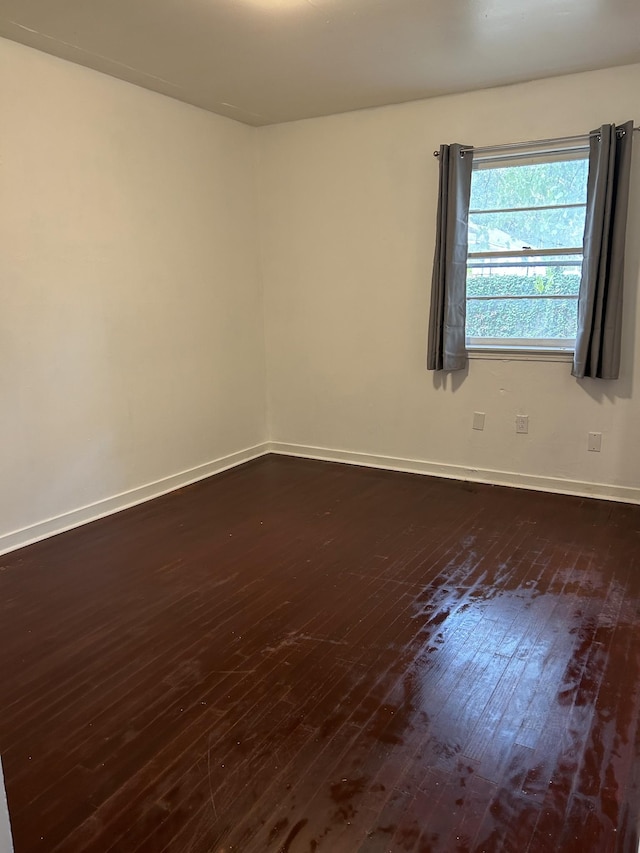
(530, 349)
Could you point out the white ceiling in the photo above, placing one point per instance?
(266, 61)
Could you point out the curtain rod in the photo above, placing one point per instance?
(532, 144)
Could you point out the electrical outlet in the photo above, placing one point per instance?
(478, 420)
(594, 442)
(522, 423)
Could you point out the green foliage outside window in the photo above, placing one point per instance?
(528, 185)
(555, 281)
(523, 318)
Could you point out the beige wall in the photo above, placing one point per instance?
(132, 351)
(131, 322)
(348, 221)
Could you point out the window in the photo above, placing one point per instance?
(526, 225)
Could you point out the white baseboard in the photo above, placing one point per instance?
(624, 494)
(67, 521)
(43, 529)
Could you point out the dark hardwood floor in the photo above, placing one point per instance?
(301, 656)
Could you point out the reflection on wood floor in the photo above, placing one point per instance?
(302, 656)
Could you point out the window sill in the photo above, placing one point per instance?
(493, 353)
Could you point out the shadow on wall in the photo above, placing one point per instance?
(450, 379)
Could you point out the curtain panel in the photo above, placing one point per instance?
(446, 345)
(598, 340)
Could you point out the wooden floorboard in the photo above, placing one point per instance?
(301, 656)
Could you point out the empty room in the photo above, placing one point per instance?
(320, 400)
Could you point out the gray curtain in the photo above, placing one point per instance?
(597, 352)
(446, 348)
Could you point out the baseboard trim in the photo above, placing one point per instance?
(75, 518)
(624, 494)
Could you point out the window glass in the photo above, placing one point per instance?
(560, 181)
(526, 226)
(530, 228)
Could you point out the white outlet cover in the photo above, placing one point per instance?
(594, 442)
(478, 420)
